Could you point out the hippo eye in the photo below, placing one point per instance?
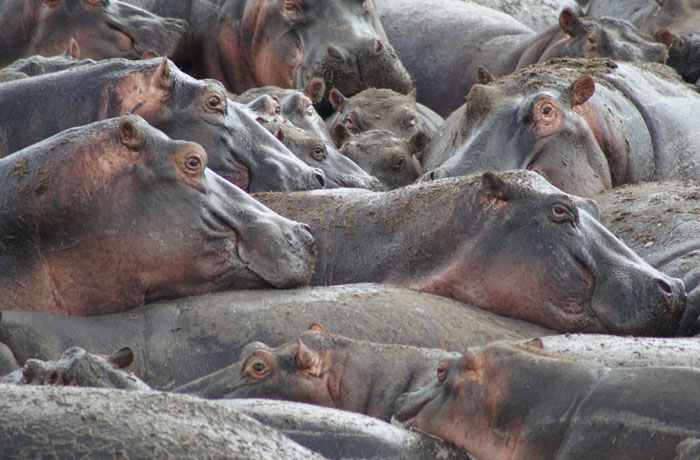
(318, 152)
(400, 164)
(442, 372)
(561, 213)
(193, 163)
(350, 123)
(214, 101)
(591, 40)
(258, 367)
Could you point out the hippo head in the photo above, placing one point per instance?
(289, 43)
(40, 65)
(393, 161)
(596, 37)
(544, 128)
(103, 29)
(541, 255)
(301, 371)
(131, 216)
(266, 109)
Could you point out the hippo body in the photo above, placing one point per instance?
(517, 401)
(239, 149)
(324, 369)
(586, 125)
(107, 216)
(103, 30)
(177, 341)
(40, 65)
(74, 423)
(538, 15)
(679, 16)
(251, 43)
(462, 237)
(433, 43)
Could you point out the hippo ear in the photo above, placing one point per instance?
(122, 358)
(581, 90)
(535, 343)
(569, 22)
(162, 78)
(318, 327)
(483, 76)
(337, 100)
(339, 134)
(73, 50)
(149, 55)
(472, 361)
(494, 186)
(315, 90)
(130, 135)
(413, 94)
(308, 360)
(418, 142)
(664, 36)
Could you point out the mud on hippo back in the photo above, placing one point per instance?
(510, 243)
(108, 216)
(102, 28)
(585, 125)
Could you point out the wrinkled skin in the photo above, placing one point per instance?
(462, 35)
(77, 367)
(658, 220)
(40, 65)
(393, 161)
(510, 243)
(324, 369)
(383, 110)
(507, 401)
(680, 16)
(251, 43)
(339, 170)
(106, 217)
(239, 149)
(583, 124)
(175, 342)
(102, 28)
(539, 15)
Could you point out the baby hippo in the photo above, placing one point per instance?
(324, 369)
(392, 160)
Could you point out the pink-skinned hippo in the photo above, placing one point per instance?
(510, 243)
(108, 216)
(102, 28)
(238, 148)
(443, 47)
(251, 43)
(324, 369)
(586, 125)
(511, 401)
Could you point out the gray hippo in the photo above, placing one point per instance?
(585, 125)
(443, 47)
(506, 401)
(111, 215)
(102, 29)
(510, 243)
(239, 149)
(39, 65)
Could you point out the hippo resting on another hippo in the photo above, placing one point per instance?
(239, 149)
(507, 401)
(103, 29)
(177, 341)
(39, 65)
(250, 43)
(108, 216)
(585, 125)
(510, 243)
(460, 36)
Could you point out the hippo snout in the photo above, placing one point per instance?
(432, 175)
(351, 181)
(318, 178)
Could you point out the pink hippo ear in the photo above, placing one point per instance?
(494, 187)
(308, 360)
(130, 135)
(581, 90)
(73, 50)
(535, 343)
(315, 90)
(664, 36)
(162, 78)
(318, 327)
(337, 100)
(569, 22)
(122, 358)
(483, 76)
(472, 361)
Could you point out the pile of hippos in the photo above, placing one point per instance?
(328, 229)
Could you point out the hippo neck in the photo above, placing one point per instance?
(9, 26)
(541, 47)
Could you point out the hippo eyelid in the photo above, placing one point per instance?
(563, 213)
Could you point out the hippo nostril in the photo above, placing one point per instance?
(378, 46)
(320, 177)
(432, 175)
(664, 286)
(334, 52)
(307, 228)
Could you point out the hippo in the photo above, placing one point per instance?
(103, 29)
(324, 369)
(658, 221)
(462, 35)
(339, 169)
(40, 65)
(251, 43)
(105, 217)
(505, 401)
(510, 243)
(380, 109)
(266, 109)
(342, 435)
(394, 161)
(77, 367)
(683, 53)
(586, 125)
(538, 15)
(238, 148)
(650, 16)
(77, 423)
(177, 341)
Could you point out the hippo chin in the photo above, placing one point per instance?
(105, 217)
